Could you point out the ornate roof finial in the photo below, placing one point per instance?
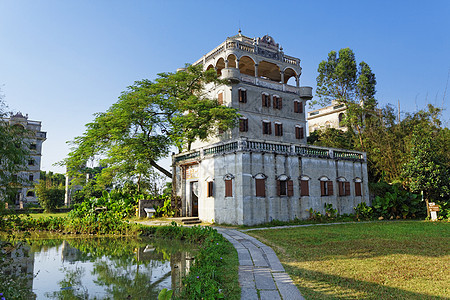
(239, 31)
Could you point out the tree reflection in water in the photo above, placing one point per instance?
(120, 268)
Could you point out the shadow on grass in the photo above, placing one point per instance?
(318, 285)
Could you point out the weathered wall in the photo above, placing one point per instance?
(245, 208)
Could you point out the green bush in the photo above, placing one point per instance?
(398, 203)
(363, 211)
(49, 197)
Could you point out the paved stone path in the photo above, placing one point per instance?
(260, 270)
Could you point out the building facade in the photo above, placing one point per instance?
(30, 174)
(263, 170)
(327, 117)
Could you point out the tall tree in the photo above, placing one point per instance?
(149, 118)
(428, 169)
(342, 80)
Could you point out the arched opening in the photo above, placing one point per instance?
(247, 66)
(30, 194)
(289, 76)
(219, 66)
(231, 61)
(269, 71)
(209, 67)
(341, 119)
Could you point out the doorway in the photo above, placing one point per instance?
(194, 198)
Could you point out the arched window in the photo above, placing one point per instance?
(344, 186)
(30, 194)
(304, 185)
(326, 186)
(285, 186)
(358, 190)
(260, 185)
(228, 185)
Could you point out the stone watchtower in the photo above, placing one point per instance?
(30, 173)
(263, 169)
(266, 89)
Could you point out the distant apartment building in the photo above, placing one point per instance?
(30, 173)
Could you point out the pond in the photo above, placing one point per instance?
(93, 268)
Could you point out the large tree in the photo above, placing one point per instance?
(427, 168)
(342, 80)
(149, 118)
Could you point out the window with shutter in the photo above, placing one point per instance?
(267, 128)
(243, 96)
(330, 188)
(358, 189)
(210, 189)
(260, 187)
(277, 102)
(304, 187)
(228, 188)
(278, 129)
(265, 100)
(243, 125)
(220, 98)
(282, 189)
(290, 188)
(298, 107)
(341, 188)
(347, 188)
(323, 188)
(299, 133)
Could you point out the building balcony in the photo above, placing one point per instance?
(243, 144)
(304, 92)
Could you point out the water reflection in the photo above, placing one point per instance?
(95, 268)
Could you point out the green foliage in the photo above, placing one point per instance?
(428, 169)
(363, 211)
(14, 154)
(398, 203)
(165, 294)
(330, 212)
(12, 284)
(149, 118)
(50, 197)
(341, 80)
(165, 210)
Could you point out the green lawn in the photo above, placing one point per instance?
(380, 260)
(45, 215)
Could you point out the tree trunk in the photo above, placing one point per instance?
(161, 169)
(428, 208)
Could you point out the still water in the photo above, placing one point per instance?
(95, 268)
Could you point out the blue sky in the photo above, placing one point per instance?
(63, 61)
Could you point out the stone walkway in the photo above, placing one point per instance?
(261, 275)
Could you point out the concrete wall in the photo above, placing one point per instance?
(245, 208)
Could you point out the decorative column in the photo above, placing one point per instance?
(237, 63)
(282, 77)
(256, 70)
(226, 63)
(297, 80)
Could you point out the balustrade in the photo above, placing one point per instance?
(248, 145)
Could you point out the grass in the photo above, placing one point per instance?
(45, 215)
(379, 260)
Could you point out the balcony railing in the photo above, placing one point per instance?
(272, 147)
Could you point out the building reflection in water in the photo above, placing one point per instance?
(19, 266)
